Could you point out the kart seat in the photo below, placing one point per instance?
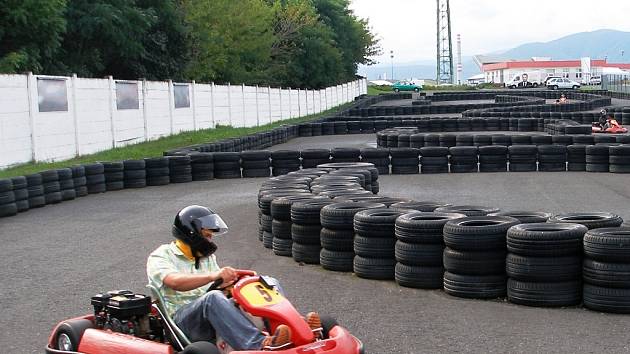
(179, 337)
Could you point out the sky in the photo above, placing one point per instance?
(408, 27)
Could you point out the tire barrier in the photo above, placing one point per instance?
(474, 257)
(35, 191)
(227, 165)
(20, 192)
(202, 166)
(590, 220)
(79, 180)
(135, 173)
(544, 264)
(114, 176)
(51, 186)
(158, 172)
(256, 163)
(419, 248)
(8, 207)
(285, 161)
(606, 270)
(66, 184)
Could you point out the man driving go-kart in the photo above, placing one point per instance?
(183, 271)
(607, 124)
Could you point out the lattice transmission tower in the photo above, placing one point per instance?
(444, 43)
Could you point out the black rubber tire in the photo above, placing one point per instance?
(282, 247)
(377, 222)
(115, 186)
(425, 228)
(135, 174)
(201, 348)
(22, 205)
(526, 217)
(475, 286)
(8, 197)
(338, 261)
(267, 239)
(266, 222)
(418, 254)
(256, 173)
(590, 220)
(374, 268)
(68, 194)
(543, 269)
(36, 202)
(341, 215)
(607, 275)
(158, 181)
(53, 198)
(374, 247)
(468, 210)
(423, 206)
(608, 244)
(135, 183)
(337, 240)
(419, 277)
(555, 294)
(546, 239)
(8, 209)
(477, 233)
(74, 330)
(308, 212)
(306, 253)
(281, 229)
(306, 234)
(474, 263)
(606, 299)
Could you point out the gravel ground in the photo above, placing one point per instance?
(56, 257)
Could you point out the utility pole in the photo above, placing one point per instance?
(444, 43)
(391, 55)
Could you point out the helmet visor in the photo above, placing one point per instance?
(211, 222)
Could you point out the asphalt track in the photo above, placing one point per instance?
(55, 258)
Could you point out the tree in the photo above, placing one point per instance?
(30, 33)
(353, 36)
(230, 40)
(104, 37)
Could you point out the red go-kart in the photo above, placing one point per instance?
(613, 127)
(124, 322)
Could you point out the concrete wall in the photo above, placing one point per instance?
(92, 121)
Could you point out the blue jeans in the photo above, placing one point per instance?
(213, 314)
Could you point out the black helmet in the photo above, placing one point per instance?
(603, 112)
(188, 224)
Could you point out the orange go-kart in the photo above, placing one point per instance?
(612, 127)
(124, 322)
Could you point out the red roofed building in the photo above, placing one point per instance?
(577, 70)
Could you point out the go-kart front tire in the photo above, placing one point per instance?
(69, 334)
(201, 348)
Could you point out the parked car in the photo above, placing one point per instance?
(551, 77)
(595, 80)
(406, 86)
(562, 83)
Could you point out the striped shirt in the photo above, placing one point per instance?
(168, 259)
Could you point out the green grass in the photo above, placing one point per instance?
(156, 147)
(377, 90)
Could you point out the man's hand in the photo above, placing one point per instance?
(228, 274)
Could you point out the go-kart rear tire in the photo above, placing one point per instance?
(201, 348)
(328, 323)
(73, 331)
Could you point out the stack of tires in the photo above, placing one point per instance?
(256, 163)
(158, 172)
(305, 229)
(20, 191)
(576, 156)
(526, 217)
(269, 191)
(419, 248)
(281, 226)
(523, 158)
(493, 158)
(66, 184)
(619, 159)
(227, 165)
(405, 161)
(337, 234)
(36, 191)
(434, 159)
(285, 161)
(468, 210)
(345, 155)
(52, 188)
(594, 220)
(606, 271)
(180, 170)
(95, 178)
(544, 264)
(552, 158)
(313, 157)
(377, 156)
(374, 243)
(79, 180)
(202, 166)
(474, 257)
(135, 173)
(463, 159)
(114, 176)
(597, 158)
(7, 198)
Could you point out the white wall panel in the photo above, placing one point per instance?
(236, 101)
(15, 128)
(93, 115)
(221, 105)
(203, 106)
(183, 116)
(276, 112)
(250, 106)
(158, 106)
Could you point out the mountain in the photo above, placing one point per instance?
(597, 45)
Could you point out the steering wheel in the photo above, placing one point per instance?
(215, 285)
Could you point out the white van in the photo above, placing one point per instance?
(525, 79)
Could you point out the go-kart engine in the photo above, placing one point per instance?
(125, 312)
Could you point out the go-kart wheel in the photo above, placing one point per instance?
(328, 323)
(69, 334)
(201, 348)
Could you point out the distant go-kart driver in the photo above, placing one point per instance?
(604, 119)
(182, 270)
